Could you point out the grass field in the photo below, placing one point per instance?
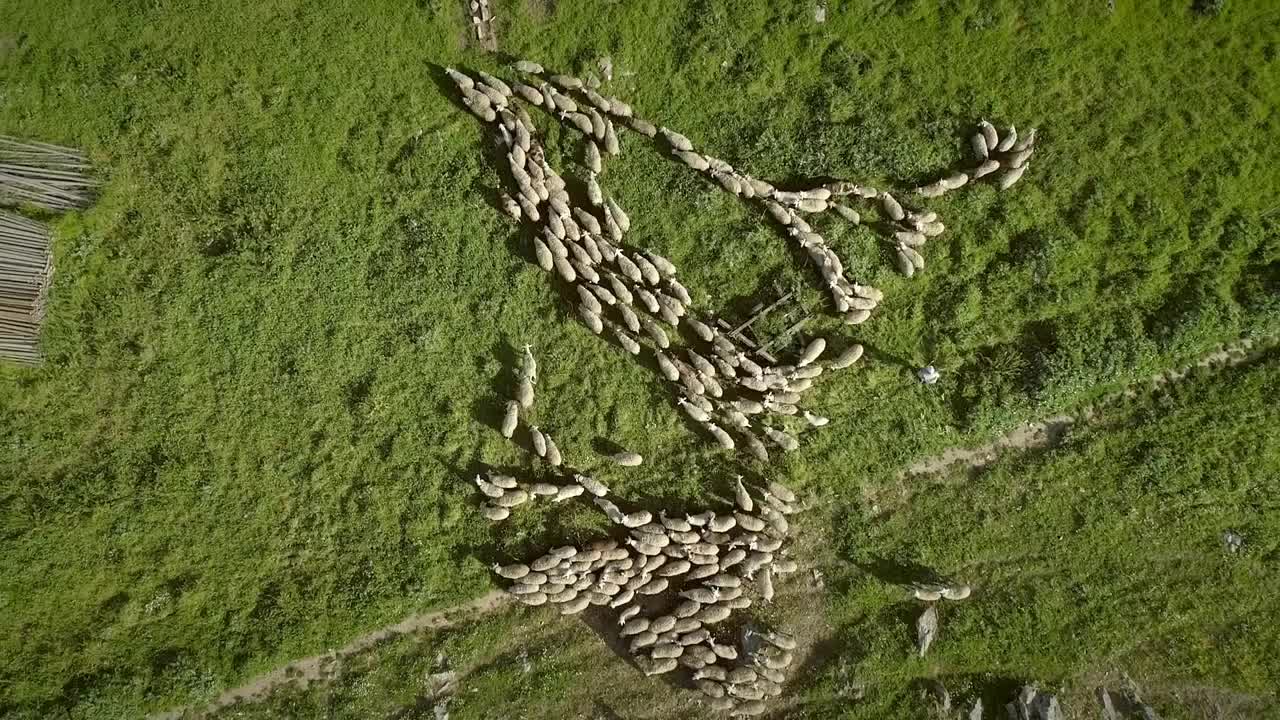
(276, 344)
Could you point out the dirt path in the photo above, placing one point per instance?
(309, 669)
(1051, 431)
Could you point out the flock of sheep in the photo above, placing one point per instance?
(635, 296)
(675, 581)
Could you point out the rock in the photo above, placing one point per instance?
(926, 629)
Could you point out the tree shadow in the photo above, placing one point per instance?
(899, 571)
(885, 357)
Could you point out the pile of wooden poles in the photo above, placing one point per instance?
(24, 271)
(46, 176)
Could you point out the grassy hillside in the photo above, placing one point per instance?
(275, 345)
(1098, 559)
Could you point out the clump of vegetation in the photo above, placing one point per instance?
(1210, 7)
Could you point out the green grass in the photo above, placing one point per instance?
(275, 345)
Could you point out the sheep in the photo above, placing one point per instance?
(891, 207)
(705, 596)
(932, 190)
(511, 572)
(534, 598)
(979, 144)
(594, 194)
(591, 319)
(647, 270)
(623, 597)
(647, 299)
(495, 83)
(701, 364)
(701, 519)
(692, 159)
(496, 98)
(627, 459)
(710, 688)
(553, 452)
(666, 367)
(986, 168)
(563, 596)
(642, 640)
(667, 651)
(544, 489)
(627, 342)
(712, 614)
(909, 237)
(524, 393)
(1018, 158)
(927, 593)
(512, 498)
(1006, 142)
(815, 420)
(785, 566)
(782, 439)
(741, 497)
(488, 488)
(632, 271)
(637, 518)
(1010, 178)
(597, 99)
(506, 482)
(591, 157)
(528, 67)
(757, 449)
(848, 213)
(510, 419)
(593, 486)
(611, 144)
(675, 139)
(674, 568)
(619, 216)
(916, 259)
(655, 332)
(722, 437)
(597, 122)
(568, 82)
(957, 592)
(989, 135)
(750, 523)
(643, 548)
(566, 492)
(1025, 142)
(856, 317)
(644, 127)
(746, 692)
(575, 606)
(700, 329)
(563, 267)
(724, 580)
(812, 352)
(633, 627)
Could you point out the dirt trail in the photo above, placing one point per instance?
(316, 667)
(1051, 431)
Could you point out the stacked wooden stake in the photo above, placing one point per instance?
(24, 273)
(47, 176)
